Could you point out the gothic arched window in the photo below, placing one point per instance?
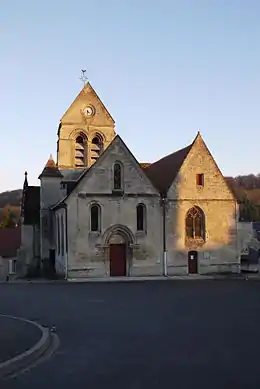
(141, 217)
(117, 176)
(95, 218)
(195, 223)
(80, 151)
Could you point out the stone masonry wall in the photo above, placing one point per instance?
(74, 122)
(219, 253)
(88, 254)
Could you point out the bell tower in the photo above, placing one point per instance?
(85, 130)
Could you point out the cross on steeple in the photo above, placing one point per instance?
(83, 76)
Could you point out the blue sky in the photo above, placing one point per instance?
(164, 69)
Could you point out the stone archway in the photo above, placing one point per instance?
(119, 241)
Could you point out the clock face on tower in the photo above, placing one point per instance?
(88, 111)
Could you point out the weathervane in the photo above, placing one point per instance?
(83, 76)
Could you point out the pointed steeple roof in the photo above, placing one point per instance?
(50, 170)
(25, 183)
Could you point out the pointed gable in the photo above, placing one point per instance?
(199, 162)
(98, 178)
(87, 98)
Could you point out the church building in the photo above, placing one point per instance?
(98, 212)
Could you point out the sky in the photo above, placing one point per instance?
(164, 70)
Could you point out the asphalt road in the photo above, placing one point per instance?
(16, 337)
(178, 334)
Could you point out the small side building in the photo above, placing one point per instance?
(28, 261)
(10, 241)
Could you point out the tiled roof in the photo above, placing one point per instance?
(10, 241)
(31, 205)
(144, 165)
(50, 170)
(163, 172)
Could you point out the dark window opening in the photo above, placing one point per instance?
(195, 223)
(140, 215)
(95, 141)
(79, 140)
(96, 147)
(80, 152)
(95, 218)
(117, 176)
(200, 179)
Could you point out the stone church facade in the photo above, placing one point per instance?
(99, 212)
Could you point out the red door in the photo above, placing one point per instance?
(193, 262)
(117, 260)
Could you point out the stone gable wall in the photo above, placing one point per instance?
(219, 252)
(88, 252)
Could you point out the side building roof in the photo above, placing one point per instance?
(31, 205)
(163, 172)
(10, 242)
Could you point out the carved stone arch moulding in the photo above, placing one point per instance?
(78, 132)
(119, 229)
(97, 133)
(94, 202)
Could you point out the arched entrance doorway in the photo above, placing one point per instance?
(118, 239)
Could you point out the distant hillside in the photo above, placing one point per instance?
(10, 202)
(246, 186)
(12, 197)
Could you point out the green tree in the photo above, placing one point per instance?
(8, 220)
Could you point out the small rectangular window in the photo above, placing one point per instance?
(95, 214)
(12, 266)
(140, 217)
(117, 176)
(200, 179)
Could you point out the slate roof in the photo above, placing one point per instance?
(163, 172)
(72, 175)
(10, 241)
(50, 170)
(31, 205)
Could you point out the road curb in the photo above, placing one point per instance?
(25, 359)
(197, 277)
